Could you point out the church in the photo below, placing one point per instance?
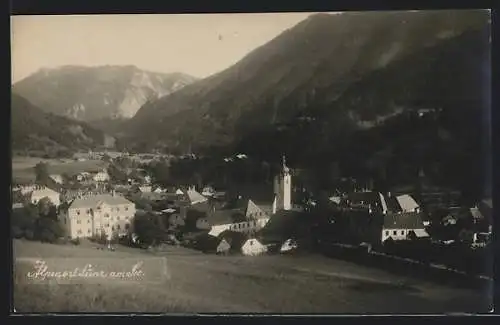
(282, 189)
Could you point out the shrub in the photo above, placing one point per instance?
(75, 241)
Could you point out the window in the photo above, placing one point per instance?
(402, 232)
(387, 232)
(88, 211)
(394, 232)
(78, 212)
(126, 208)
(251, 242)
(126, 217)
(118, 227)
(118, 209)
(113, 228)
(88, 220)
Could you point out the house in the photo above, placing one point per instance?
(407, 203)
(159, 190)
(373, 202)
(101, 176)
(195, 197)
(288, 245)
(57, 178)
(249, 222)
(252, 247)
(26, 189)
(208, 191)
(145, 189)
(83, 176)
(45, 192)
(16, 206)
(94, 215)
(223, 247)
(402, 226)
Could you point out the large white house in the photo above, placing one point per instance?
(94, 215)
(45, 192)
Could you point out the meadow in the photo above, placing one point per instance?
(200, 283)
(23, 167)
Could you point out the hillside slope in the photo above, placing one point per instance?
(94, 93)
(34, 130)
(307, 68)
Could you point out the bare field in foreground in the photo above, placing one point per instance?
(201, 283)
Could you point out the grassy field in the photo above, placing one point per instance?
(23, 167)
(201, 283)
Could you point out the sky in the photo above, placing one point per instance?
(196, 44)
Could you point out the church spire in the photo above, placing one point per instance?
(286, 170)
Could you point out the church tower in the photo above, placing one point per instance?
(283, 189)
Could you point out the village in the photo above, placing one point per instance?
(122, 204)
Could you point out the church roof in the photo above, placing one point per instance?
(254, 211)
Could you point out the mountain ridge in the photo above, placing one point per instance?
(97, 92)
(286, 76)
(34, 130)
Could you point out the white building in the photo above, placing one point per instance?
(252, 247)
(255, 219)
(146, 189)
(98, 214)
(44, 192)
(401, 226)
(208, 191)
(283, 189)
(26, 189)
(101, 176)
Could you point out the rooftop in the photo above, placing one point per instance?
(406, 220)
(96, 200)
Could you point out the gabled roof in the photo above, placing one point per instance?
(95, 200)
(253, 211)
(375, 199)
(393, 204)
(405, 220)
(195, 197)
(407, 203)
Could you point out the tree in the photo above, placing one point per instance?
(23, 222)
(147, 230)
(47, 209)
(41, 171)
(47, 230)
(116, 174)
